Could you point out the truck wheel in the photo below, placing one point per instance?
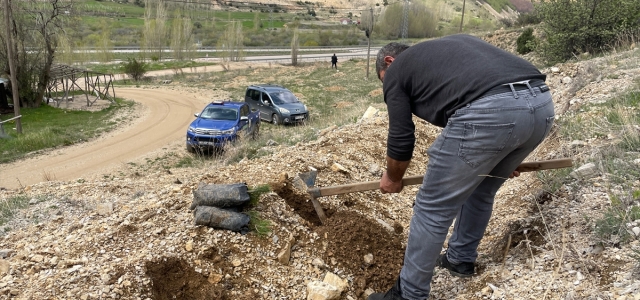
(275, 120)
(256, 132)
(190, 149)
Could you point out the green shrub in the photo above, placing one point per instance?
(528, 19)
(506, 22)
(135, 69)
(577, 26)
(310, 43)
(526, 41)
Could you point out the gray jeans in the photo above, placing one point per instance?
(491, 136)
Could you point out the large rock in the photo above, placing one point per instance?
(4, 253)
(318, 290)
(585, 171)
(336, 167)
(370, 113)
(4, 267)
(104, 209)
(285, 255)
(336, 281)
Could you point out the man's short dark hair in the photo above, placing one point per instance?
(391, 49)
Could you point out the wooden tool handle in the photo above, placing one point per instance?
(544, 165)
(413, 180)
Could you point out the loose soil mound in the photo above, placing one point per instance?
(350, 236)
(300, 202)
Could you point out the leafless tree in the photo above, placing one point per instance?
(38, 26)
(104, 44)
(181, 36)
(422, 21)
(232, 43)
(155, 18)
(295, 47)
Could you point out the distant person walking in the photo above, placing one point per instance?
(334, 61)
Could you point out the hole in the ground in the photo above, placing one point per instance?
(349, 237)
(299, 201)
(544, 197)
(173, 278)
(526, 236)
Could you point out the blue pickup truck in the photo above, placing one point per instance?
(221, 122)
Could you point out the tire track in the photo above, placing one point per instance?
(168, 113)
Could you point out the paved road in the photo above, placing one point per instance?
(264, 60)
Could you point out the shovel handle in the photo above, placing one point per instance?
(417, 179)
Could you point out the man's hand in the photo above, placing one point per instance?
(514, 174)
(389, 186)
(391, 181)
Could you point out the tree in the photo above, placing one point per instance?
(257, 23)
(232, 43)
(526, 41)
(135, 69)
(422, 22)
(295, 46)
(38, 27)
(182, 37)
(104, 45)
(12, 68)
(154, 28)
(575, 26)
(366, 21)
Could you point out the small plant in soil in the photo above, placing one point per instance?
(262, 227)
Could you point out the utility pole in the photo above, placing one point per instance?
(12, 67)
(462, 19)
(368, 32)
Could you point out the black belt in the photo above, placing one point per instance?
(505, 88)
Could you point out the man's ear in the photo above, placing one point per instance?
(388, 60)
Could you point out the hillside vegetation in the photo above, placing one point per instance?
(125, 20)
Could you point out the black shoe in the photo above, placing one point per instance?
(463, 269)
(393, 294)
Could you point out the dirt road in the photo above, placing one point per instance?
(164, 117)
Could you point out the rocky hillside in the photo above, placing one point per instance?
(131, 235)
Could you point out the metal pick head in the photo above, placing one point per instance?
(309, 178)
